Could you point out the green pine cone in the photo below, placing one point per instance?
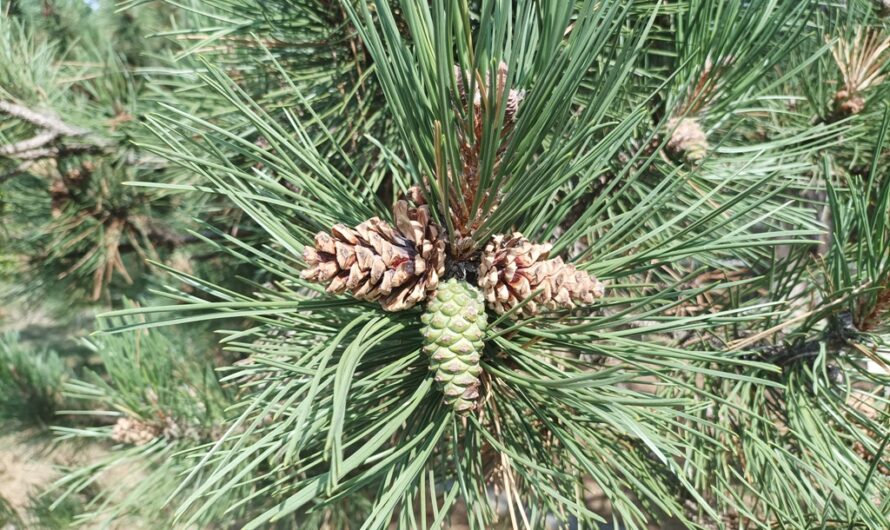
(455, 323)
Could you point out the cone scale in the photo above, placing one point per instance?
(454, 326)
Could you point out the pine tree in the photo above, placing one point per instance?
(465, 262)
(72, 99)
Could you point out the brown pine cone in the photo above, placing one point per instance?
(513, 98)
(397, 266)
(688, 139)
(512, 268)
(133, 431)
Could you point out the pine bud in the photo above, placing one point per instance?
(847, 104)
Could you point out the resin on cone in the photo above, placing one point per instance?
(454, 326)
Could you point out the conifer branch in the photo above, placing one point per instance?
(31, 145)
(44, 120)
(52, 128)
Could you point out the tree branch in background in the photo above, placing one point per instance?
(31, 144)
(52, 128)
(43, 120)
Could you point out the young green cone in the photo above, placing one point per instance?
(454, 324)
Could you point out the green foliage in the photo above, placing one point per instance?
(76, 224)
(30, 384)
(38, 514)
(42, 514)
(734, 374)
(831, 395)
(164, 399)
(353, 407)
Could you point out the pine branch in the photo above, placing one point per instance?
(638, 394)
(52, 128)
(33, 144)
(44, 120)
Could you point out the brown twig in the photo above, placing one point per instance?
(55, 151)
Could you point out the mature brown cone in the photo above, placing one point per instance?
(512, 268)
(397, 266)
